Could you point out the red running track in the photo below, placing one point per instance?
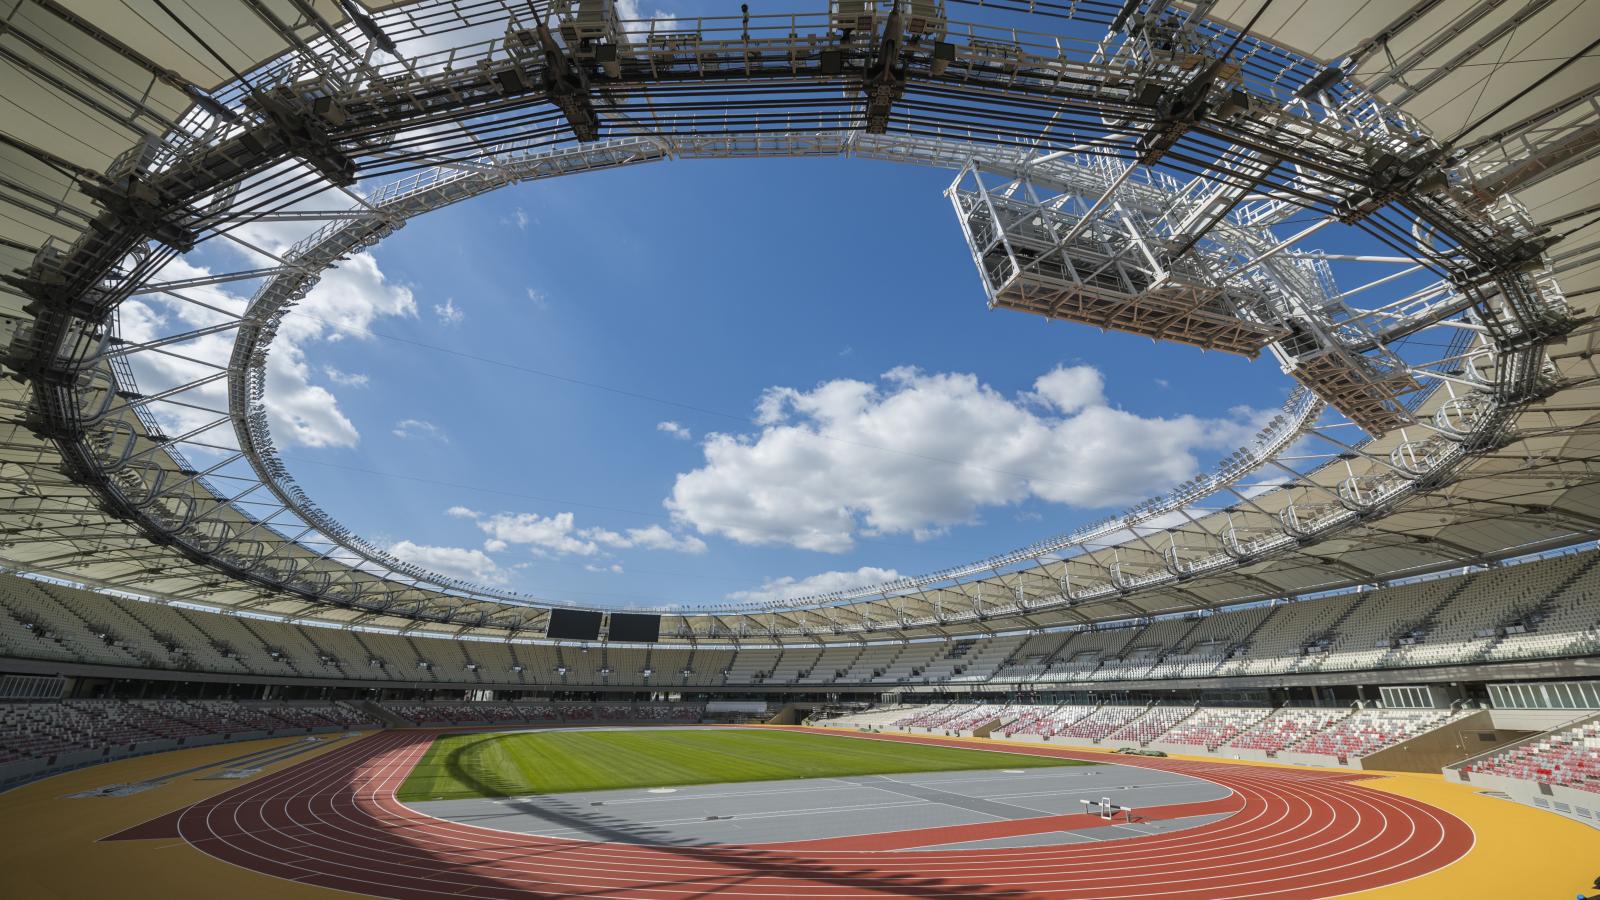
(333, 821)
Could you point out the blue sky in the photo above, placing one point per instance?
(703, 286)
(694, 382)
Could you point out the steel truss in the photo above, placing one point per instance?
(1129, 179)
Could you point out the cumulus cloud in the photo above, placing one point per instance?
(550, 534)
(613, 569)
(346, 379)
(456, 562)
(790, 588)
(448, 312)
(918, 452)
(658, 538)
(538, 299)
(560, 535)
(631, 14)
(342, 305)
(410, 428)
(676, 430)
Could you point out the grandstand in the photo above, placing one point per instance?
(1213, 728)
(39, 737)
(1567, 758)
(1536, 610)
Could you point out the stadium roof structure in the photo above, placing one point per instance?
(1151, 167)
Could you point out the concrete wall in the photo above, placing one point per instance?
(1536, 719)
(1299, 759)
(1219, 753)
(790, 714)
(1318, 760)
(1443, 746)
(1583, 806)
(986, 728)
(1059, 740)
(1575, 804)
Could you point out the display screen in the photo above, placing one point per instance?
(635, 627)
(574, 624)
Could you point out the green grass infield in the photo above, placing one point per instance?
(554, 762)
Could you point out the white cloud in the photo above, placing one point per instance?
(519, 218)
(410, 428)
(676, 430)
(631, 13)
(348, 300)
(346, 379)
(657, 538)
(614, 568)
(559, 535)
(544, 534)
(343, 304)
(457, 562)
(920, 452)
(538, 299)
(462, 512)
(1071, 389)
(790, 588)
(449, 313)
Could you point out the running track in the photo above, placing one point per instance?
(333, 821)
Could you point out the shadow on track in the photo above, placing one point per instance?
(730, 866)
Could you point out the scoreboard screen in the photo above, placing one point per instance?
(634, 627)
(574, 625)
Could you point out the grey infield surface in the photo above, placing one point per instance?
(812, 809)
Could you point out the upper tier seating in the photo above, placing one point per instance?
(1528, 611)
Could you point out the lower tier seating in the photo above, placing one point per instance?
(1570, 758)
(44, 730)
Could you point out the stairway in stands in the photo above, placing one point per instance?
(377, 711)
(519, 668)
(861, 650)
(1424, 624)
(1244, 641)
(382, 664)
(1313, 662)
(1054, 656)
(130, 636)
(324, 656)
(1542, 608)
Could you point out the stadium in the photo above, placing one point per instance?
(1281, 580)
